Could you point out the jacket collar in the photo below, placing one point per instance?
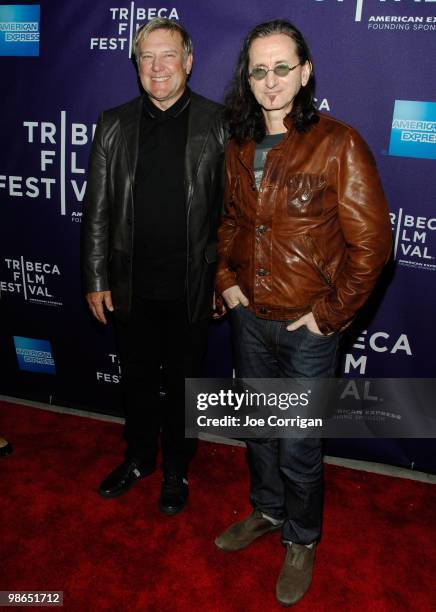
(246, 153)
(248, 147)
(130, 118)
(198, 129)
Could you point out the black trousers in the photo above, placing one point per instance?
(158, 350)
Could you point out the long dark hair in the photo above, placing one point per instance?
(243, 113)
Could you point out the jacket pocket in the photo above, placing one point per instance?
(318, 260)
(305, 194)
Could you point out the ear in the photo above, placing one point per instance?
(305, 73)
(188, 63)
(250, 83)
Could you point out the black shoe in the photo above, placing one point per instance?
(6, 450)
(174, 494)
(122, 479)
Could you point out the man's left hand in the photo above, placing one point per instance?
(309, 321)
(218, 307)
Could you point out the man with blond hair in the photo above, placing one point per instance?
(151, 211)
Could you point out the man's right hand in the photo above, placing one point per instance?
(97, 300)
(234, 296)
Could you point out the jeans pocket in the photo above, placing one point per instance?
(320, 336)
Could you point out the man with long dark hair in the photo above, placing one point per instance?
(304, 236)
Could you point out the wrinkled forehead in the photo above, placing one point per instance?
(271, 49)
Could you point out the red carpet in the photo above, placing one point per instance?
(378, 551)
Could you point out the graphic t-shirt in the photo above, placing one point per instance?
(262, 149)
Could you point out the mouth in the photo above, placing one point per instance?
(160, 79)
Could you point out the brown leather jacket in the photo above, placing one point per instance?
(316, 234)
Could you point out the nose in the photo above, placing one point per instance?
(270, 79)
(156, 65)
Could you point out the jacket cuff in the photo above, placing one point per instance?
(89, 285)
(325, 323)
(224, 280)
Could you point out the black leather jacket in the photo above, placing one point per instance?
(107, 223)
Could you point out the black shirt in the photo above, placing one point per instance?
(159, 237)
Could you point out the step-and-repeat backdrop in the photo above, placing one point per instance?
(64, 62)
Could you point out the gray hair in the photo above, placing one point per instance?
(162, 23)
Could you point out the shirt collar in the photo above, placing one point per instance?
(173, 111)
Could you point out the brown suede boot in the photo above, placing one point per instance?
(241, 534)
(296, 575)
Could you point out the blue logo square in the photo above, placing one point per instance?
(19, 29)
(413, 132)
(34, 355)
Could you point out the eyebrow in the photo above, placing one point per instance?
(150, 52)
(283, 61)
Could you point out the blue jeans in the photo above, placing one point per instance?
(286, 474)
